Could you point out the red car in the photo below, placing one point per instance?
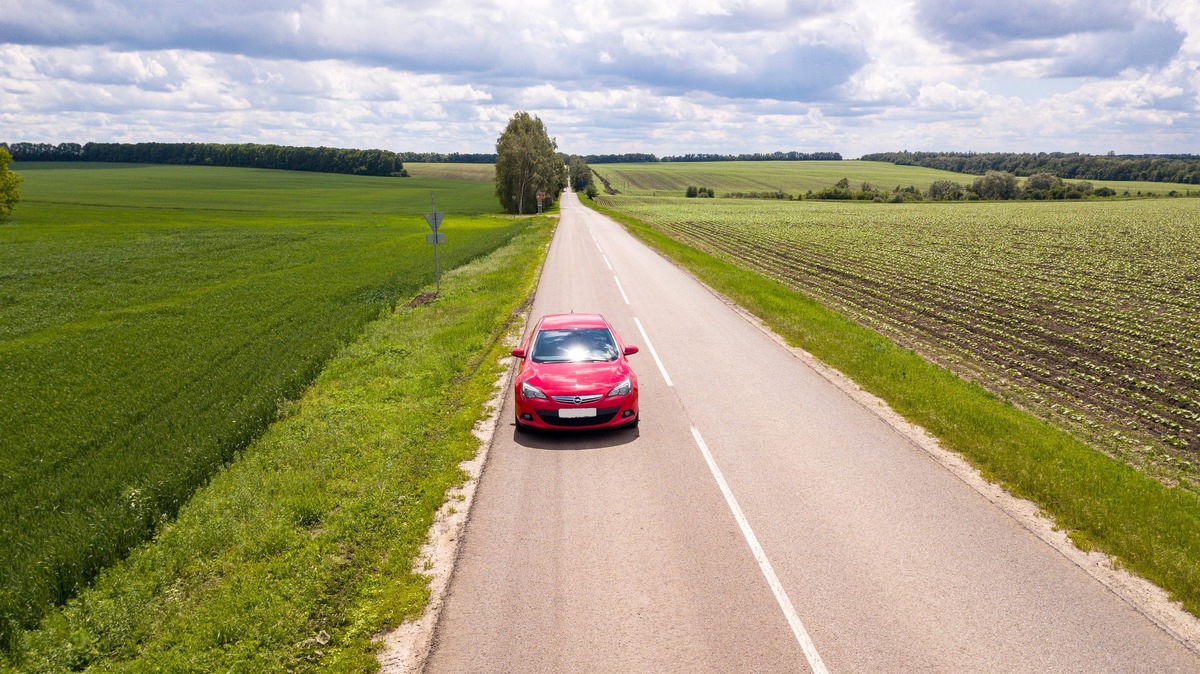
(574, 374)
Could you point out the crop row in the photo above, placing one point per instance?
(1088, 313)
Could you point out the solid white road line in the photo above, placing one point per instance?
(789, 612)
(622, 289)
(650, 348)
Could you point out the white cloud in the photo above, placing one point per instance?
(945, 97)
(610, 75)
(1055, 37)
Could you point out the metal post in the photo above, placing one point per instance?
(435, 223)
(437, 275)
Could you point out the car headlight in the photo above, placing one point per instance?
(531, 391)
(621, 389)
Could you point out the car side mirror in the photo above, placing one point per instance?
(518, 353)
(630, 350)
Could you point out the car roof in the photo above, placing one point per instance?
(567, 321)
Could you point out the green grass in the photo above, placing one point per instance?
(1152, 529)
(798, 177)
(316, 527)
(154, 320)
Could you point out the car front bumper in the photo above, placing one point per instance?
(547, 414)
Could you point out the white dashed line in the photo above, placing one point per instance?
(653, 353)
(789, 612)
(619, 287)
(764, 564)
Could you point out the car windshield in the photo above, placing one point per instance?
(574, 346)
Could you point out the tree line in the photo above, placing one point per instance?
(1170, 168)
(642, 158)
(627, 158)
(451, 158)
(758, 156)
(244, 155)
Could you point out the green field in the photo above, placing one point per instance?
(219, 189)
(481, 173)
(154, 320)
(798, 177)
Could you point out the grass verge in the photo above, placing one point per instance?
(1151, 529)
(296, 554)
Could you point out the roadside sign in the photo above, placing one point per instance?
(434, 218)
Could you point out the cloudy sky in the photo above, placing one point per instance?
(607, 76)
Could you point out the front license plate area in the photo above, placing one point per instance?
(577, 412)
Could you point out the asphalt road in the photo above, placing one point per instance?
(759, 520)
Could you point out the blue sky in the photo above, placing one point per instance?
(657, 76)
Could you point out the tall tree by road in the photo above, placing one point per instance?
(10, 186)
(527, 163)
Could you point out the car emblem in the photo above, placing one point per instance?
(578, 400)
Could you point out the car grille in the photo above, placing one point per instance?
(577, 400)
(603, 416)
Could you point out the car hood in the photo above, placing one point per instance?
(571, 378)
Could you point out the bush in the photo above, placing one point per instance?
(1042, 181)
(782, 196)
(945, 190)
(996, 185)
(834, 193)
